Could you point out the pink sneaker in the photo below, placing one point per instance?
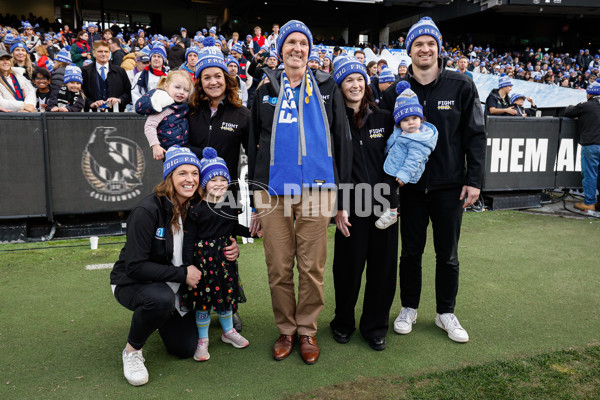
(235, 339)
(201, 353)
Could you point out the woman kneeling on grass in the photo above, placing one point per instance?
(149, 271)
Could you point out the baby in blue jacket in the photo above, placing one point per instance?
(407, 149)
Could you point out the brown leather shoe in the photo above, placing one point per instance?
(283, 347)
(309, 350)
(585, 207)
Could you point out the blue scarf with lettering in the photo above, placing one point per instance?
(301, 148)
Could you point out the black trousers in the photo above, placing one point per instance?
(379, 250)
(445, 211)
(153, 306)
(393, 197)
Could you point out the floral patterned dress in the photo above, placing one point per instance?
(208, 231)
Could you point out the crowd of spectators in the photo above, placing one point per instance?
(574, 70)
(34, 43)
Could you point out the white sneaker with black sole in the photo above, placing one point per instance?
(406, 319)
(450, 324)
(134, 369)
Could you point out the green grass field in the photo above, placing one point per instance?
(529, 299)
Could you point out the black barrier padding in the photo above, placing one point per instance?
(523, 153)
(568, 174)
(520, 153)
(22, 182)
(99, 163)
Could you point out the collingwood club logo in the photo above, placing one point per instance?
(112, 165)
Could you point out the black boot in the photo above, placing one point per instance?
(237, 322)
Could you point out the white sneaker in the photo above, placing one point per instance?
(235, 339)
(201, 353)
(407, 317)
(134, 369)
(450, 324)
(386, 220)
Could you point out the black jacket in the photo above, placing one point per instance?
(119, 85)
(451, 103)
(263, 108)
(225, 132)
(58, 76)
(117, 57)
(146, 256)
(62, 97)
(588, 120)
(377, 94)
(256, 70)
(494, 100)
(176, 56)
(368, 153)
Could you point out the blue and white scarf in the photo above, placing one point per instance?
(301, 148)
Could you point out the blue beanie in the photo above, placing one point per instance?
(425, 26)
(212, 165)
(192, 49)
(72, 74)
(209, 41)
(594, 88)
(146, 51)
(213, 30)
(516, 96)
(182, 29)
(177, 156)
(314, 56)
(237, 47)
(160, 50)
(293, 26)
(386, 75)
(49, 65)
(339, 60)
(18, 43)
(504, 81)
(403, 63)
(63, 56)
(347, 66)
(210, 57)
(8, 39)
(230, 60)
(407, 103)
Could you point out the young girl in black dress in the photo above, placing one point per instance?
(210, 227)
